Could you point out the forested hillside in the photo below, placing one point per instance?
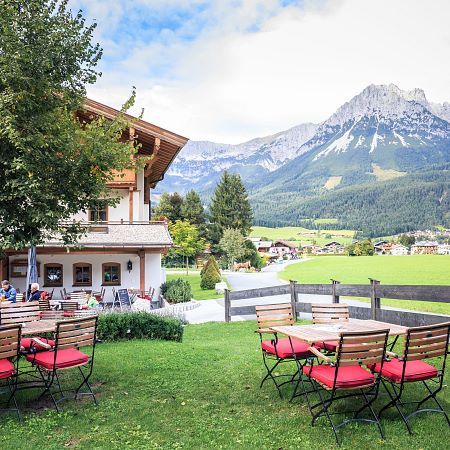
(417, 201)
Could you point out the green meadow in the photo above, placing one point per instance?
(414, 269)
(304, 236)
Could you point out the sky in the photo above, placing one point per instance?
(230, 71)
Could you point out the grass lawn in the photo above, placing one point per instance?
(302, 235)
(415, 269)
(194, 279)
(200, 394)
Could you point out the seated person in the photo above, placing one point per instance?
(35, 294)
(8, 291)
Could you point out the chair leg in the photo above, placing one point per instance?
(12, 398)
(394, 402)
(369, 405)
(325, 405)
(85, 382)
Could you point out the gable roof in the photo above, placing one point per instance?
(164, 145)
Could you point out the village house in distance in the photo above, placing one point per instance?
(122, 248)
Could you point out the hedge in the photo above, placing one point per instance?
(113, 326)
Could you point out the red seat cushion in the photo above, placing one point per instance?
(6, 368)
(68, 313)
(414, 371)
(26, 343)
(327, 345)
(284, 349)
(64, 358)
(347, 376)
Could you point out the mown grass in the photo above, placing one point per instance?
(200, 394)
(414, 269)
(197, 292)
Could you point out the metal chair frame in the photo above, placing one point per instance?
(74, 333)
(10, 349)
(420, 343)
(277, 315)
(354, 349)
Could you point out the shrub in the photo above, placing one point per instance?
(210, 277)
(211, 261)
(113, 326)
(176, 291)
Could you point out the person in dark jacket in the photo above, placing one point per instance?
(8, 291)
(35, 293)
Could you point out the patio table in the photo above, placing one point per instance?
(330, 332)
(39, 326)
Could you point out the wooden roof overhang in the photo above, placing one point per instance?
(162, 144)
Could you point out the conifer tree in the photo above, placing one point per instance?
(170, 206)
(230, 207)
(192, 208)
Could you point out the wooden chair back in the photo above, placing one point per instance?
(19, 297)
(44, 304)
(330, 312)
(18, 313)
(358, 348)
(9, 341)
(79, 297)
(274, 316)
(69, 305)
(76, 333)
(429, 341)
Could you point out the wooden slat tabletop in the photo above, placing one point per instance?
(331, 332)
(39, 326)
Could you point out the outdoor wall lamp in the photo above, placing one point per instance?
(129, 266)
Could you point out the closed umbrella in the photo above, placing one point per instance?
(32, 274)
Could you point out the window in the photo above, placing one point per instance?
(53, 274)
(111, 274)
(82, 274)
(19, 268)
(99, 213)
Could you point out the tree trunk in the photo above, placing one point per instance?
(187, 265)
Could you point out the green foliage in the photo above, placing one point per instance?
(138, 325)
(192, 208)
(211, 275)
(211, 261)
(176, 291)
(169, 206)
(186, 239)
(233, 245)
(51, 164)
(230, 207)
(361, 248)
(251, 254)
(406, 240)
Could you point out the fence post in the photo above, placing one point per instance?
(227, 305)
(375, 302)
(335, 298)
(294, 298)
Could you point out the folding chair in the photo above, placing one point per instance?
(71, 335)
(346, 374)
(69, 307)
(279, 350)
(421, 343)
(329, 313)
(19, 297)
(9, 361)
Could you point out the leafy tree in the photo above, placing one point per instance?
(361, 248)
(170, 206)
(230, 207)
(186, 240)
(251, 254)
(406, 240)
(233, 245)
(192, 208)
(51, 164)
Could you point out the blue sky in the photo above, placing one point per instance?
(232, 70)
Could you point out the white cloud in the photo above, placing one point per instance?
(229, 84)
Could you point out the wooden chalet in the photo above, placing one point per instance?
(122, 248)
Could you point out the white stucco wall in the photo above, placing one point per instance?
(128, 279)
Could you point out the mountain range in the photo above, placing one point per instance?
(381, 135)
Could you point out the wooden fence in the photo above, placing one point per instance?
(375, 291)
